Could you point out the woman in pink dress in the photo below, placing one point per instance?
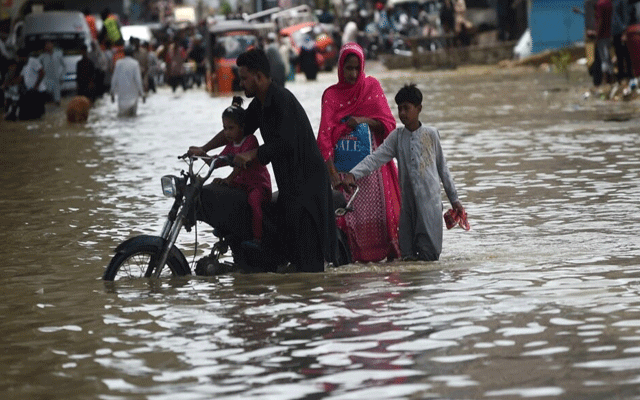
(372, 228)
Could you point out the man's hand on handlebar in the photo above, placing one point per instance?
(196, 151)
(242, 160)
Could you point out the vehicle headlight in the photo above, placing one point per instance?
(169, 186)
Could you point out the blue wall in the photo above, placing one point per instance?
(554, 25)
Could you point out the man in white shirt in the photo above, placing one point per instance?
(54, 69)
(127, 84)
(33, 74)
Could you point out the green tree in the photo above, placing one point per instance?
(225, 8)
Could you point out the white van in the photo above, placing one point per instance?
(67, 29)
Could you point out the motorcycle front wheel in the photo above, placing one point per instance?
(132, 261)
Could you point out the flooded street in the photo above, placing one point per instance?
(541, 299)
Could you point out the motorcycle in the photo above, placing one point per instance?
(155, 256)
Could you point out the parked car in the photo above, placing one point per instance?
(225, 42)
(68, 30)
(324, 43)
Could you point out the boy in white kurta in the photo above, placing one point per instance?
(421, 166)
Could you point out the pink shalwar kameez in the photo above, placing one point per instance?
(254, 180)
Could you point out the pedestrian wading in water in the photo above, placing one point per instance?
(126, 83)
(422, 166)
(356, 115)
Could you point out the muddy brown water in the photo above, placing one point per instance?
(539, 300)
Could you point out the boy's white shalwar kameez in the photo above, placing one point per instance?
(126, 83)
(421, 167)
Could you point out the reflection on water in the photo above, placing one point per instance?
(538, 300)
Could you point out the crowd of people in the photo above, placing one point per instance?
(385, 28)
(30, 78)
(169, 60)
(613, 24)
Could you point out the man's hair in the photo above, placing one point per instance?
(255, 60)
(409, 94)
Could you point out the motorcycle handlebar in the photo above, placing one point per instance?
(214, 162)
(342, 211)
(187, 155)
(227, 158)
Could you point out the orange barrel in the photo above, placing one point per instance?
(224, 75)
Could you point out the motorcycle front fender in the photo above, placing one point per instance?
(156, 242)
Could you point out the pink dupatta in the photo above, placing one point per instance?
(365, 98)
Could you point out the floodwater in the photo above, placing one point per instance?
(541, 299)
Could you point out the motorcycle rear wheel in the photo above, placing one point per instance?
(133, 262)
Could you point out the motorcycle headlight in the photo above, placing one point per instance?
(169, 186)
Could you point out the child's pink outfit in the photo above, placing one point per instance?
(255, 180)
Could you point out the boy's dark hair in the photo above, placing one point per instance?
(255, 60)
(409, 94)
(235, 112)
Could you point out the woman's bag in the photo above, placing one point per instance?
(353, 148)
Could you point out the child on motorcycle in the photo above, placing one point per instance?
(255, 179)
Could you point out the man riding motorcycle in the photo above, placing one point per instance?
(305, 221)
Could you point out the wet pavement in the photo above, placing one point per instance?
(539, 300)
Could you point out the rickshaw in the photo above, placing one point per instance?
(327, 55)
(226, 40)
